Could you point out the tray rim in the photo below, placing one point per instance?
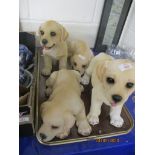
(82, 139)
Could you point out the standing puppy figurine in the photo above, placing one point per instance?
(53, 40)
(113, 83)
(81, 55)
(64, 106)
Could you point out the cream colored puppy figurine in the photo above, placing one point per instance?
(63, 107)
(80, 55)
(113, 83)
(53, 40)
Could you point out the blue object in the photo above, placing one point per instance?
(25, 77)
(125, 146)
(25, 56)
(120, 53)
(25, 63)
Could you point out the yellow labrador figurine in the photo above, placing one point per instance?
(80, 55)
(113, 82)
(53, 40)
(64, 107)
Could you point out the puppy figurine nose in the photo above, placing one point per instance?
(42, 136)
(116, 98)
(44, 41)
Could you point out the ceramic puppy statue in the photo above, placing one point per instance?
(80, 55)
(64, 107)
(113, 82)
(53, 40)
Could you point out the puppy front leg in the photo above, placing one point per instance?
(46, 71)
(49, 83)
(48, 91)
(95, 109)
(86, 78)
(115, 116)
(51, 80)
(83, 126)
(63, 62)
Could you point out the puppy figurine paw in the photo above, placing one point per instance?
(63, 135)
(82, 88)
(46, 71)
(48, 91)
(84, 128)
(85, 79)
(117, 122)
(93, 120)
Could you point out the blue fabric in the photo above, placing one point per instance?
(22, 76)
(25, 77)
(125, 146)
(25, 62)
(25, 55)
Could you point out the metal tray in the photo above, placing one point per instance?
(101, 130)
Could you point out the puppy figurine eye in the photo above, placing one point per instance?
(53, 34)
(75, 64)
(54, 127)
(41, 32)
(110, 80)
(129, 85)
(83, 66)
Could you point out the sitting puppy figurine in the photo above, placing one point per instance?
(113, 83)
(63, 107)
(81, 55)
(53, 40)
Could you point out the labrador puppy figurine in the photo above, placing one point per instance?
(53, 40)
(113, 82)
(80, 55)
(64, 107)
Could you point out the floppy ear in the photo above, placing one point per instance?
(44, 107)
(100, 70)
(64, 33)
(91, 56)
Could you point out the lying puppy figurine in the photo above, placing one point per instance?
(80, 55)
(113, 83)
(63, 107)
(53, 40)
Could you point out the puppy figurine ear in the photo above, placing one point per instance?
(44, 108)
(64, 34)
(100, 70)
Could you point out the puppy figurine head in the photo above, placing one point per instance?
(53, 123)
(79, 63)
(117, 79)
(52, 33)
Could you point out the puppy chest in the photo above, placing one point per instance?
(52, 53)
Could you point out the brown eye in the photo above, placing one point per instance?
(53, 34)
(75, 64)
(41, 32)
(129, 85)
(83, 66)
(54, 127)
(110, 80)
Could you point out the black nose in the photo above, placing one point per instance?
(44, 41)
(116, 98)
(82, 75)
(42, 136)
